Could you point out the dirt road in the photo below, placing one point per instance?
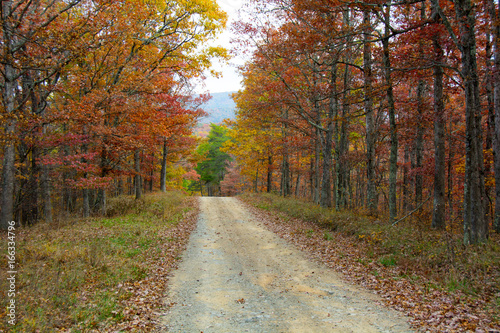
(236, 276)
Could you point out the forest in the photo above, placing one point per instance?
(391, 107)
(98, 101)
(367, 133)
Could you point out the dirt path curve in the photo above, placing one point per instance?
(236, 276)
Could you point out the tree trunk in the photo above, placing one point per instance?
(163, 172)
(297, 185)
(317, 159)
(342, 146)
(495, 28)
(9, 93)
(326, 194)
(419, 143)
(475, 222)
(269, 173)
(101, 196)
(370, 123)
(311, 176)
(439, 208)
(86, 203)
(152, 173)
(450, 175)
(85, 194)
(46, 194)
(406, 181)
(419, 139)
(138, 178)
(393, 158)
(285, 167)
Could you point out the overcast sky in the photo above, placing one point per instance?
(230, 80)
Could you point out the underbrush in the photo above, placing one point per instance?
(80, 274)
(436, 259)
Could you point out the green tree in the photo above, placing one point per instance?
(213, 169)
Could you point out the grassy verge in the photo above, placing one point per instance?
(102, 273)
(434, 265)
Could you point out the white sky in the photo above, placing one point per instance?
(230, 80)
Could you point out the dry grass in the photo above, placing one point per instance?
(78, 274)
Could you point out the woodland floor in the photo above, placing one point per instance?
(237, 276)
(245, 269)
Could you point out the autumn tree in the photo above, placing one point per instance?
(107, 82)
(357, 79)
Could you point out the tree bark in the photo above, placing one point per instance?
(475, 222)
(163, 172)
(342, 143)
(285, 167)
(45, 186)
(393, 158)
(326, 194)
(46, 194)
(406, 181)
(419, 143)
(495, 79)
(370, 123)
(439, 207)
(419, 139)
(269, 173)
(9, 93)
(138, 178)
(297, 185)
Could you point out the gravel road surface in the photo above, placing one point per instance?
(236, 276)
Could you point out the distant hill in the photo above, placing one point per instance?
(219, 107)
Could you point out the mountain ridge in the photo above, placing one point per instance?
(219, 107)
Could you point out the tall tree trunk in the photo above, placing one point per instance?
(439, 207)
(152, 173)
(406, 181)
(490, 123)
(393, 158)
(86, 202)
(46, 187)
(495, 28)
(269, 172)
(85, 194)
(326, 194)
(285, 167)
(285, 176)
(9, 93)
(46, 194)
(297, 185)
(119, 187)
(419, 144)
(450, 174)
(419, 139)
(475, 222)
(256, 181)
(163, 172)
(138, 178)
(343, 147)
(370, 122)
(311, 176)
(317, 159)
(101, 196)
(333, 110)
(342, 143)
